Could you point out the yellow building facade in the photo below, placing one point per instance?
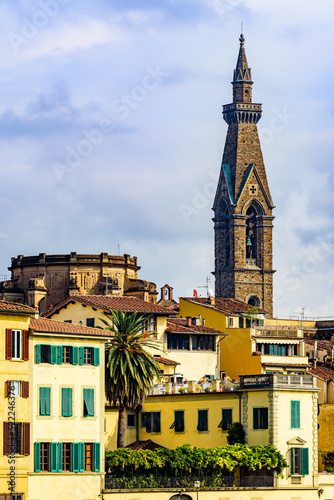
(15, 397)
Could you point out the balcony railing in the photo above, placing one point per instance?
(152, 482)
(277, 332)
(276, 380)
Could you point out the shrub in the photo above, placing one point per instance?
(236, 434)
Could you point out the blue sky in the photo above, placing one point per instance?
(111, 133)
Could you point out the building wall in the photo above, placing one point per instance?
(57, 428)
(13, 370)
(326, 435)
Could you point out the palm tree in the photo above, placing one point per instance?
(130, 369)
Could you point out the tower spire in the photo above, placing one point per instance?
(242, 72)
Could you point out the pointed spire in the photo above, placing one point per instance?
(242, 72)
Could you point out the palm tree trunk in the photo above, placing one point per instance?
(121, 428)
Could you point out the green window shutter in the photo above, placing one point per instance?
(148, 421)
(255, 418)
(82, 355)
(47, 399)
(226, 419)
(88, 402)
(304, 461)
(241, 322)
(60, 457)
(81, 457)
(53, 456)
(75, 355)
(264, 419)
(96, 353)
(295, 414)
(292, 461)
(156, 421)
(60, 355)
(75, 457)
(42, 401)
(66, 406)
(53, 359)
(97, 456)
(202, 422)
(38, 353)
(179, 421)
(37, 457)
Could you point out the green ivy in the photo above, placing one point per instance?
(190, 461)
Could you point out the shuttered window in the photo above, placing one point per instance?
(88, 402)
(96, 353)
(260, 418)
(9, 342)
(299, 461)
(25, 345)
(45, 401)
(156, 421)
(66, 402)
(16, 438)
(67, 456)
(178, 424)
(226, 420)
(202, 420)
(295, 414)
(75, 355)
(97, 453)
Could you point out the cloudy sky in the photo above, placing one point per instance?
(111, 133)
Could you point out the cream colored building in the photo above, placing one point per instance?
(66, 410)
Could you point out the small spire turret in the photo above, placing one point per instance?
(242, 77)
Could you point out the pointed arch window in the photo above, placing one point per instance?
(251, 233)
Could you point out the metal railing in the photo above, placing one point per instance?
(273, 380)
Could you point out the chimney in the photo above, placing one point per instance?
(211, 300)
(203, 322)
(188, 320)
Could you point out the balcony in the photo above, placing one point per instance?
(280, 331)
(284, 360)
(276, 380)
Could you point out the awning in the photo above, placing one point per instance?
(276, 341)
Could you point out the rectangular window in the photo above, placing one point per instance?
(178, 424)
(11, 496)
(203, 343)
(156, 421)
(88, 456)
(299, 461)
(88, 355)
(260, 418)
(14, 389)
(178, 341)
(226, 420)
(66, 402)
(248, 323)
(45, 456)
(90, 322)
(202, 420)
(230, 321)
(67, 456)
(149, 325)
(295, 414)
(67, 354)
(151, 420)
(241, 322)
(88, 402)
(131, 420)
(45, 401)
(16, 344)
(16, 438)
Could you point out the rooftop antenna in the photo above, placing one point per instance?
(206, 286)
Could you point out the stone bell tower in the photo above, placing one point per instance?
(243, 204)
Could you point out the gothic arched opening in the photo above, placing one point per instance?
(251, 233)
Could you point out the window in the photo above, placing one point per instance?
(203, 343)
(241, 322)
(260, 418)
(230, 321)
(13, 388)
(177, 341)
(46, 354)
(299, 461)
(89, 356)
(66, 402)
(16, 438)
(151, 420)
(67, 321)
(11, 496)
(149, 325)
(88, 402)
(202, 421)
(17, 344)
(67, 456)
(88, 456)
(45, 401)
(90, 322)
(295, 414)
(67, 354)
(131, 420)
(226, 420)
(178, 424)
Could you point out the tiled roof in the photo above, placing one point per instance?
(165, 361)
(323, 345)
(15, 307)
(179, 325)
(144, 445)
(106, 302)
(227, 306)
(324, 372)
(51, 326)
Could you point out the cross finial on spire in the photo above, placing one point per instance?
(242, 28)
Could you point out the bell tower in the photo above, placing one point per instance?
(243, 204)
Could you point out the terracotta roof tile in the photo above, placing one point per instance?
(51, 326)
(144, 445)
(299, 365)
(324, 372)
(165, 361)
(179, 325)
(323, 345)
(16, 307)
(227, 306)
(106, 302)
